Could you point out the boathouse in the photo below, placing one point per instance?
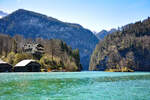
(27, 66)
(5, 67)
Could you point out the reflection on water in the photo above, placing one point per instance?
(75, 86)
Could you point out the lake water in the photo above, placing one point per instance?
(75, 86)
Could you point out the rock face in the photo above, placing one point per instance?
(128, 48)
(104, 33)
(34, 25)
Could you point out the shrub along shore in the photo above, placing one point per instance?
(52, 55)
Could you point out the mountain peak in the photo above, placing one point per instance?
(23, 11)
(27, 11)
(34, 25)
(104, 33)
(20, 10)
(3, 14)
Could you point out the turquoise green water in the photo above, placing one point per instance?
(75, 86)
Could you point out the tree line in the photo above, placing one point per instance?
(57, 54)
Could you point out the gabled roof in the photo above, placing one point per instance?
(2, 62)
(24, 62)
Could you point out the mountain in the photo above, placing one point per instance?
(2, 14)
(34, 25)
(127, 49)
(104, 33)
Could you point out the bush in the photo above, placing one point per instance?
(47, 62)
(10, 58)
(22, 56)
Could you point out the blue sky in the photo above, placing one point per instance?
(92, 14)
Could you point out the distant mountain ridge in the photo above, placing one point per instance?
(34, 25)
(104, 33)
(2, 14)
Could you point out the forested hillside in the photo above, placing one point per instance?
(34, 25)
(127, 49)
(56, 55)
